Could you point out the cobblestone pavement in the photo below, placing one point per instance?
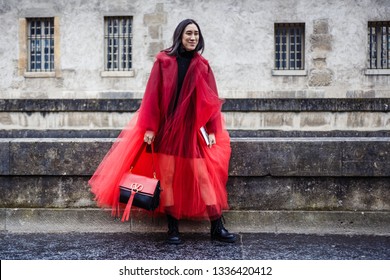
(141, 246)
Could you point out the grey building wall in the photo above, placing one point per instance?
(239, 39)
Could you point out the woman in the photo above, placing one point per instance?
(180, 100)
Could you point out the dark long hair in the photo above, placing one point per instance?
(177, 35)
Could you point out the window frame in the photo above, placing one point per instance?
(378, 69)
(24, 54)
(119, 71)
(288, 71)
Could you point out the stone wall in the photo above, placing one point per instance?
(239, 45)
(315, 174)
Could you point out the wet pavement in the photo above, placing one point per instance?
(152, 246)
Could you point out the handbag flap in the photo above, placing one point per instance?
(139, 183)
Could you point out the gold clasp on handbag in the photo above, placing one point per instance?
(135, 187)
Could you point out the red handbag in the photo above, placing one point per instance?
(137, 190)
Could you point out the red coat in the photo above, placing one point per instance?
(193, 176)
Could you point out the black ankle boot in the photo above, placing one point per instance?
(173, 230)
(220, 233)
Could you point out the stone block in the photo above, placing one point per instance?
(245, 154)
(315, 120)
(45, 191)
(366, 158)
(56, 156)
(304, 157)
(155, 18)
(265, 193)
(320, 77)
(4, 157)
(309, 193)
(321, 26)
(3, 219)
(154, 48)
(321, 42)
(154, 32)
(279, 120)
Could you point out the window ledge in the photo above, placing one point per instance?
(117, 74)
(39, 74)
(289, 73)
(377, 72)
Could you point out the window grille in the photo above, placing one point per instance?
(118, 43)
(379, 45)
(289, 46)
(40, 44)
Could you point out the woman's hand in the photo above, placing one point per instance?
(212, 140)
(149, 137)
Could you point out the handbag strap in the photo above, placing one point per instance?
(137, 156)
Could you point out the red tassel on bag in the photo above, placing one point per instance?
(126, 213)
(143, 191)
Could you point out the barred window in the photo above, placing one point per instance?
(289, 46)
(379, 45)
(40, 44)
(118, 43)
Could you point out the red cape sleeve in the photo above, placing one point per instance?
(214, 124)
(149, 113)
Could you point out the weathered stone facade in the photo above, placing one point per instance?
(239, 38)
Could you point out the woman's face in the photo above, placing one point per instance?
(190, 37)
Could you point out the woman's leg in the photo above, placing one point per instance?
(218, 231)
(167, 169)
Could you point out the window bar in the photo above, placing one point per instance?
(388, 46)
(373, 47)
(110, 45)
(296, 38)
(384, 46)
(47, 46)
(127, 45)
(378, 48)
(370, 47)
(290, 47)
(382, 53)
(118, 43)
(106, 51)
(299, 50)
(30, 46)
(37, 46)
(277, 48)
(124, 45)
(284, 48)
(52, 46)
(288, 31)
(130, 46)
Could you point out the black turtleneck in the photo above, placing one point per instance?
(183, 62)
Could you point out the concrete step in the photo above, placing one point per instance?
(98, 220)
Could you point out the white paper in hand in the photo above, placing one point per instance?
(205, 135)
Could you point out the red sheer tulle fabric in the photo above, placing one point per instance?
(192, 175)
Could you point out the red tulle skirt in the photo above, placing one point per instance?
(192, 175)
